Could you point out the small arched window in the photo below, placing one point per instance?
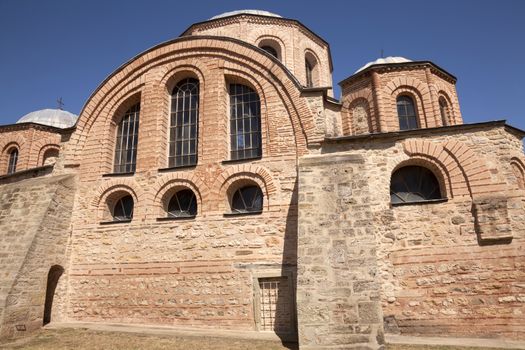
(126, 142)
(123, 209)
(13, 160)
(183, 204)
(245, 123)
(406, 112)
(443, 109)
(270, 50)
(184, 123)
(412, 184)
(247, 199)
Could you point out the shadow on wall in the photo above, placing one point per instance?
(52, 281)
(285, 325)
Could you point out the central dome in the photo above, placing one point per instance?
(246, 12)
(386, 60)
(50, 117)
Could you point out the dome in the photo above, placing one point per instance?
(51, 117)
(386, 60)
(246, 12)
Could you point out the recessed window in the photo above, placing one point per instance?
(406, 112)
(311, 68)
(245, 123)
(50, 156)
(309, 73)
(412, 184)
(184, 123)
(123, 209)
(272, 47)
(183, 204)
(270, 50)
(247, 199)
(443, 109)
(13, 160)
(126, 142)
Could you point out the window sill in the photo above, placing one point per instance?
(242, 214)
(431, 201)
(112, 222)
(118, 174)
(233, 161)
(176, 218)
(175, 168)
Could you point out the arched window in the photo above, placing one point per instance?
(270, 50)
(406, 112)
(412, 184)
(309, 73)
(183, 204)
(126, 143)
(184, 123)
(123, 209)
(247, 199)
(13, 159)
(50, 156)
(443, 109)
(245, 123)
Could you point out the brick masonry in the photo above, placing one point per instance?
(352, 265)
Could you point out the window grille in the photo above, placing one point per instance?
(184, 123)
(247, 199)
(245, 123)
(275, 303)
(123, 209)
(414, 184)
(407, 113)
(183, 204)
(13, 160)
(127, 137)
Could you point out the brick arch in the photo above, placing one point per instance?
(450, 106)
(363, 94)
(100, 196)
(43, 149)
(270, 35)
(468, 175)
(244, 172)
(166, 183)
(23, 154)
(416, 96)
(133, 74)
(351, 118)
(518, 168)
(437, 88)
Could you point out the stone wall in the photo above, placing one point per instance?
(338, 294)
(29, 246)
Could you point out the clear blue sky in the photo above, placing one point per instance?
(59, 48)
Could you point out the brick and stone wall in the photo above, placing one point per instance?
(29, 246)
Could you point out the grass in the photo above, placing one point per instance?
(84, 339)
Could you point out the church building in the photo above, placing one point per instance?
(214, 181)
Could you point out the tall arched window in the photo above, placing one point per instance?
(309, 73)
(406, 112)
(443, 109)
(184, 123)
(13, 159)
(126, 143)
(412, 184)
(245, 123)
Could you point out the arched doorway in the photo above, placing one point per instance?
(52, 281)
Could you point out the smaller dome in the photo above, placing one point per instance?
(386, 60)
(246, 12)
(50, 117)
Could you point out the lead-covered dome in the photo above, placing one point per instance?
(246, 12)
(50, 117)
(386, 60)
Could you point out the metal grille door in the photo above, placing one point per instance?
(276, 309)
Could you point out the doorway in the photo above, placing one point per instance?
(52, 281)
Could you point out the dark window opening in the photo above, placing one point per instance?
(123, 209)
(270, 50)
(13, 160)
(247, 199)
(127, 137)
(309, 73)
(412, 184)
(406, 112)
(443, 109)
(183, 204)
(184, 123)
(52, 281)
(245, 123)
